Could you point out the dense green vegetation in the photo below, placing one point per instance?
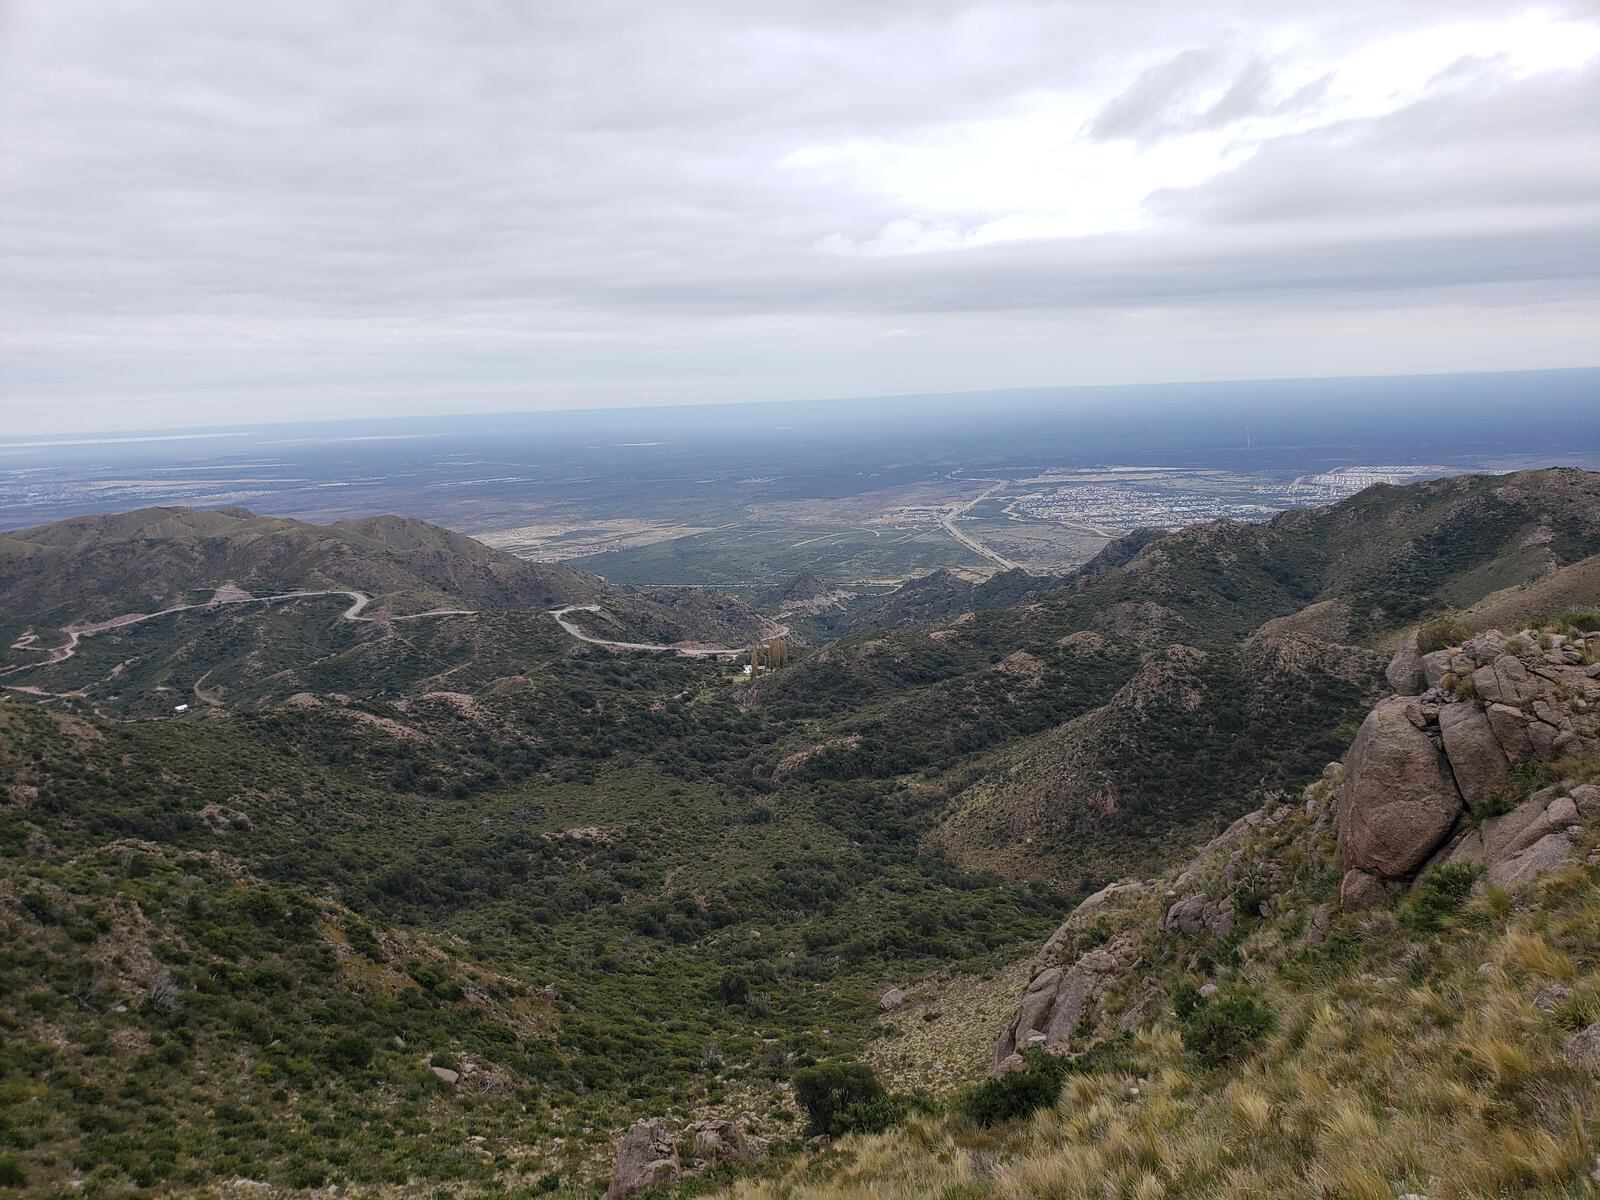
(613, 914)
(387, 890)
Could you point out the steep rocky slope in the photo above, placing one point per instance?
(1265, 1021)
(1448, 779)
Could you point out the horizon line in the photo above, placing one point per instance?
(195, 432)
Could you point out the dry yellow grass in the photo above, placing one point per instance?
(1422, 1067)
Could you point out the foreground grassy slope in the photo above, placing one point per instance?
(1417, 1049)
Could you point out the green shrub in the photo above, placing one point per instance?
(1227, 1026)
(1494, 804)
(867, 1116)
(1016, 1093)
(1186, 998)
(733, 988)
(350, 1051)
(1442, 632)
(1437, 896)
(1586, 622)
(833, 1089)
(11, 1173)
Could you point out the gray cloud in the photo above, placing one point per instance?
(210, 210)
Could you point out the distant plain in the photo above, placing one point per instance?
(861, 494)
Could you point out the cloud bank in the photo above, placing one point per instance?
(213, 213)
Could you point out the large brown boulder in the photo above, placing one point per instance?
(1361, 890)
(1404, 671)
(1399, 799)
(646, 1158)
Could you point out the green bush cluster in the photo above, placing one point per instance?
(1438, 895)
(1227, 1026)
(1441, 633)
(1015, 1094)
(840, 1097)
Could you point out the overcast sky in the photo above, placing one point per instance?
(219, 211)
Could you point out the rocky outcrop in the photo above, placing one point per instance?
(1087, 978)
(647, 1156)
(645, 1159)
(1057, 1002)
(1429, 779)
(718, 1142)
(1426, 773)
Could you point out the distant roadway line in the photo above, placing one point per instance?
(689, 651)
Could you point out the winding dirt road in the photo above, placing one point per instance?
(225, 595)
(688, 650)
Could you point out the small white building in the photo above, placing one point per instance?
(180, 708)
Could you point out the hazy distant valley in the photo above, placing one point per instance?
(861, 496)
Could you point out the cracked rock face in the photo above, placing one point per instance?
(1058, 1000)
(1195, 915)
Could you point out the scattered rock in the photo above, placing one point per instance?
(1435, 667)
(1583, 1049)
(645, 1159)
(717, 1142)
(1321, 922)
(1485, 648)
(446, 1075)
(891, 999)
(1551, 997)
(1198, 914)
